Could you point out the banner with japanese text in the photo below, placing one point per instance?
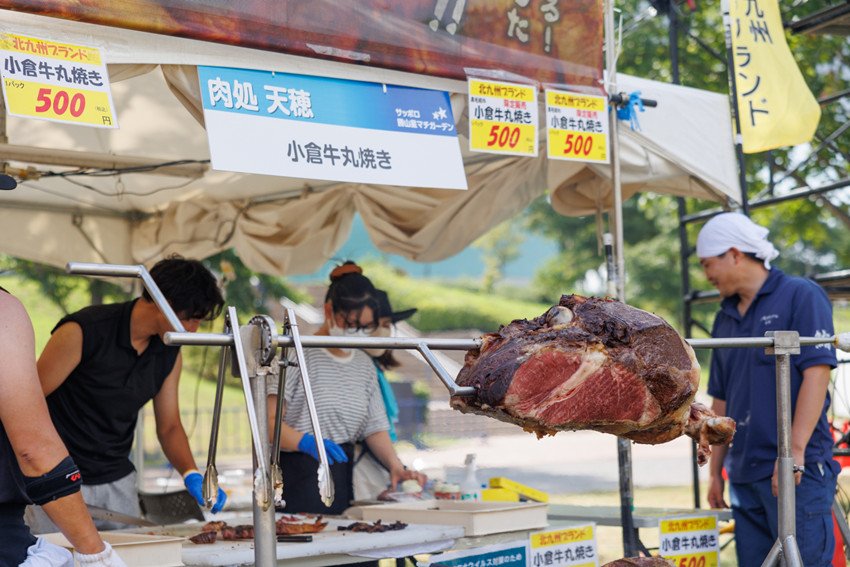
(55, 81)
(510, 554)
(569, 547)
(690, 542)
(502, 117)
(332, 129)
(550, 41)
(775, 106)
(577, 126)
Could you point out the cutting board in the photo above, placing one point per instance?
(476, 517)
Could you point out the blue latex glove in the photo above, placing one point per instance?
(335, 453)
(194, 482)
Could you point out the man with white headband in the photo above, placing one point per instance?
(735, 255)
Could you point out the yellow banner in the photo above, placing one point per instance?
(775, 106)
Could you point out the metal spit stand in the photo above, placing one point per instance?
(261, 341)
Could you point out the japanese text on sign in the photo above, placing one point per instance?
(520, 16)
(577, 126)
(774, 104)
(690, 542)
(502, 118)
(312, 152)
(755, 25)
(572, 547)
(335, 129)
(511, 554)
(55, 81)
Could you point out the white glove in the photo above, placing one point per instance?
(106, 558)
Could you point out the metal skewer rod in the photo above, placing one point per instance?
(121, 271)
(324, 341)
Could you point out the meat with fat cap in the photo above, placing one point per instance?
(591, 363)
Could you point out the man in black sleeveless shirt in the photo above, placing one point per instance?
(103, 364)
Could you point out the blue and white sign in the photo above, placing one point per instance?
(509, 554)
(334, 129)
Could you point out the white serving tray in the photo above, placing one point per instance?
(476, 517)
(137, 550)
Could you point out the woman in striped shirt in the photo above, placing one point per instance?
(348, 402)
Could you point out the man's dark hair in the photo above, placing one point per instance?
(189, 287)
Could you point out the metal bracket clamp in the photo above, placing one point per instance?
(784, 342)
(268, 338)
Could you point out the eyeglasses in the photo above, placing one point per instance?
(355, 328)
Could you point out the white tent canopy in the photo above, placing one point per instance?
(288, 226)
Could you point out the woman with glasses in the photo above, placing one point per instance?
(348, 402)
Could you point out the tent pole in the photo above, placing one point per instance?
(683, 230)
(624, 449)
(733, 93)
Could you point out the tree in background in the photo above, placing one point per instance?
(59, 287)
(498, 246)
(812, 234)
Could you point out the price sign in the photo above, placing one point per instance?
(569, 547)
(502, 118)
(690, 542)
(55, 81)
(577, 126)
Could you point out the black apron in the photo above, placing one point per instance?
(15, 536)
(300, 483)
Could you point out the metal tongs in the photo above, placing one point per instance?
(323, 473)
(210, 485)
(262, 483)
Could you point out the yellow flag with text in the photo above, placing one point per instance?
(775, 106)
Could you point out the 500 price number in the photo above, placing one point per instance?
(578, 145)
(61, 103)
(503, 136)
(691, 562)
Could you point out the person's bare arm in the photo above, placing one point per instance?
(289, 436)
(23, 412)
(382, 447)
(716, 484)
(169, 428)
(60, 356)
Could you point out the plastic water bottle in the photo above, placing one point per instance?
(470, 488)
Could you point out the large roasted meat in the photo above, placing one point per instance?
(591, 363)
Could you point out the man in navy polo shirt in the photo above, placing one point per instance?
(735, 255)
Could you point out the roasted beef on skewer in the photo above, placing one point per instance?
(591, 363)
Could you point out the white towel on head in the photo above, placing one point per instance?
(734, 230)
